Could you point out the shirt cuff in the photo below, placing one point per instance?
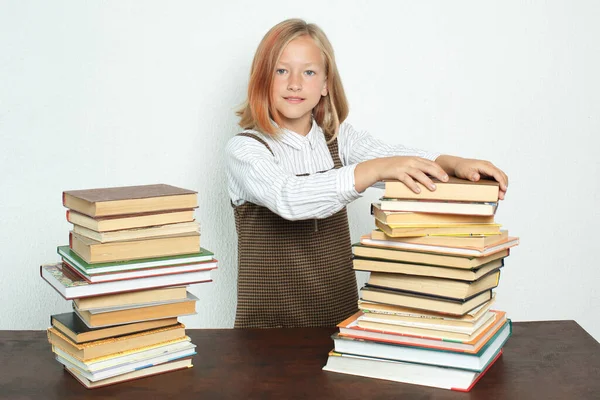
(432, 156)
(345, 184)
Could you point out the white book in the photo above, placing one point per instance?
(439, 207)
(145, 273)
(105, 363)
(126, 368)
(73, 287)
(129, 376)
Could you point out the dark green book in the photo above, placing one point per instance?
(99, 268)
(73, 327)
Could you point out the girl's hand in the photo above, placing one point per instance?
(472, 169)
(406, 169)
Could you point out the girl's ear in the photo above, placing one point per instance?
(324, 91)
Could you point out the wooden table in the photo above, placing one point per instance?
(542, 360)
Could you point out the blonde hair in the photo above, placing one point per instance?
(257, 111)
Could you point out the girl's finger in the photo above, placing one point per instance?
(433, 169)
(410, 183)
(422, 178)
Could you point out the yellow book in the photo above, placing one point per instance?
(467, 229)
(103, 347)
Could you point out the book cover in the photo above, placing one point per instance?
(464, 250)
(70, 286)
(129, 199)
(438, 207)
(350, 327)
(456, 189)
(73, 327)
(124, 265)
(142, 373)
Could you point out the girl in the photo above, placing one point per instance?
(291, 174)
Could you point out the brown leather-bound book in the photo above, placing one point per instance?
(129, 200)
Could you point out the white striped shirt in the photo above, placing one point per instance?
(269, 180)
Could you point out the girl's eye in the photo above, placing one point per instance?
(280, 71)
(310, 73)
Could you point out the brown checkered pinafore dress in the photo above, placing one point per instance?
(293, 273)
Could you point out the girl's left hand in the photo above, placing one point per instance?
(472, 169)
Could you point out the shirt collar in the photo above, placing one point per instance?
(296, 140)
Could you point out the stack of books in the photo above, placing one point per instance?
(131, 254)
(426, 312)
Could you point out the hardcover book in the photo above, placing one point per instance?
(129, 200)
(456, 189)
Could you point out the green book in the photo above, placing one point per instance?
(99, 268)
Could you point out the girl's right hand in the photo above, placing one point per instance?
(406, 169)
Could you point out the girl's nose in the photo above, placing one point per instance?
(294, 83)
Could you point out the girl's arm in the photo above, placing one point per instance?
(377, 161)
(409, 169)
(254, 176)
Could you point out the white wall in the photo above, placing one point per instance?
(96, 94)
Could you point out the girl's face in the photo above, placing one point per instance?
(299, 83)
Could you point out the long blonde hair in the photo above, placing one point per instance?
(257, 111)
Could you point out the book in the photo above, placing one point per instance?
(71, 286)
(387, 351)
(129, 200)
(455, 189)
(405, 218)
(126, 368)
(131, 298)
(476, 242)
(428, 332)
(445, 325)
(137, 233)
(115, 266)
(440, 206)
(411, 231)
(439, 287)
(75, 329)
(95, 252)
(409, 315)
(415, 257)
(427, 303)
(425, 248)
(105, 363)
(105, 317)
(141, 373)
(130, 221)
(376, 265)
(399, 371)
(104, 347)
(142, 273)
(350, 328)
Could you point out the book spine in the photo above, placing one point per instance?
(64, 199)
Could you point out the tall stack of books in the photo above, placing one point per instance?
(425, 312)
(131, 254)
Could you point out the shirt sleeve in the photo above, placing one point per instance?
(254, 176)
(358, 146)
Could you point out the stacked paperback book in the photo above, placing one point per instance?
(426, 312)
(131, 255)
